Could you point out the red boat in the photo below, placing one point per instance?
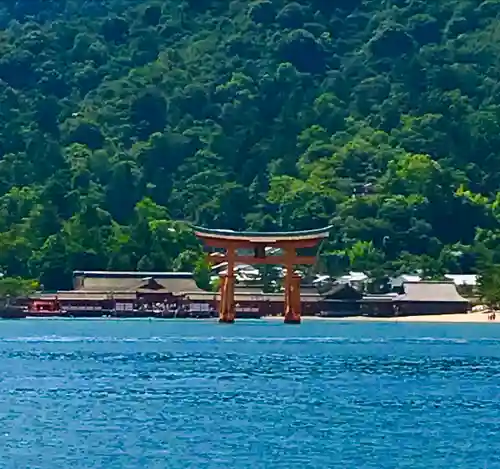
(45, 309)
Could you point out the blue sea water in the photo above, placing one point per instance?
(180, 394)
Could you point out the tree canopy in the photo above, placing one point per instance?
(123, 120)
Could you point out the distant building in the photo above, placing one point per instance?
(322, 279)
(110, 282)
(397, 282)
(426, 298)
(463, 280)
(322, 282)
(98, 293)
(246, 272)
(341, 300)
(355, 279)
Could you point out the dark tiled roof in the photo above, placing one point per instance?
(342, 291)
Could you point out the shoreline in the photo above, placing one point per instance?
(473, 318)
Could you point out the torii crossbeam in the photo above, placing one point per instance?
(231, 242)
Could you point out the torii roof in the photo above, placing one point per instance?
(270, 237)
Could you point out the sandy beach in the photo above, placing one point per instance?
(444, 318)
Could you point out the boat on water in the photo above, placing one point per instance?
(45, 309)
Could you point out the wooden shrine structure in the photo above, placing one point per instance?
(250, 248)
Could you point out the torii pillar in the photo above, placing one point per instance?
(230, 242)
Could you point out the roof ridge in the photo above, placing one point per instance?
(262, 234)
(432, 282)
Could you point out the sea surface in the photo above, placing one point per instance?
(125, 394)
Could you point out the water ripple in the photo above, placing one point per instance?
(245, 339)
(184, 395)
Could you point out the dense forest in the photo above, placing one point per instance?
(124, 121)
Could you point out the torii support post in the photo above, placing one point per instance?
(292, 289)
(292, 311)
(288, 242)
(226, 309)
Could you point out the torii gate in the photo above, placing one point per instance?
(231, 241)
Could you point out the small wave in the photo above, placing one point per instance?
(188, 339)
(38, 339)
(249, 340)
(415, 340)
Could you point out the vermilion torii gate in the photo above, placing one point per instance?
(288, 242)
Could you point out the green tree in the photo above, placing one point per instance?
(489, 285)
(381, 118)
(17, 287)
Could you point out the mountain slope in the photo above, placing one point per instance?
(382, 118)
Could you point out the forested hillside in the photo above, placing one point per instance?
(119, 117)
